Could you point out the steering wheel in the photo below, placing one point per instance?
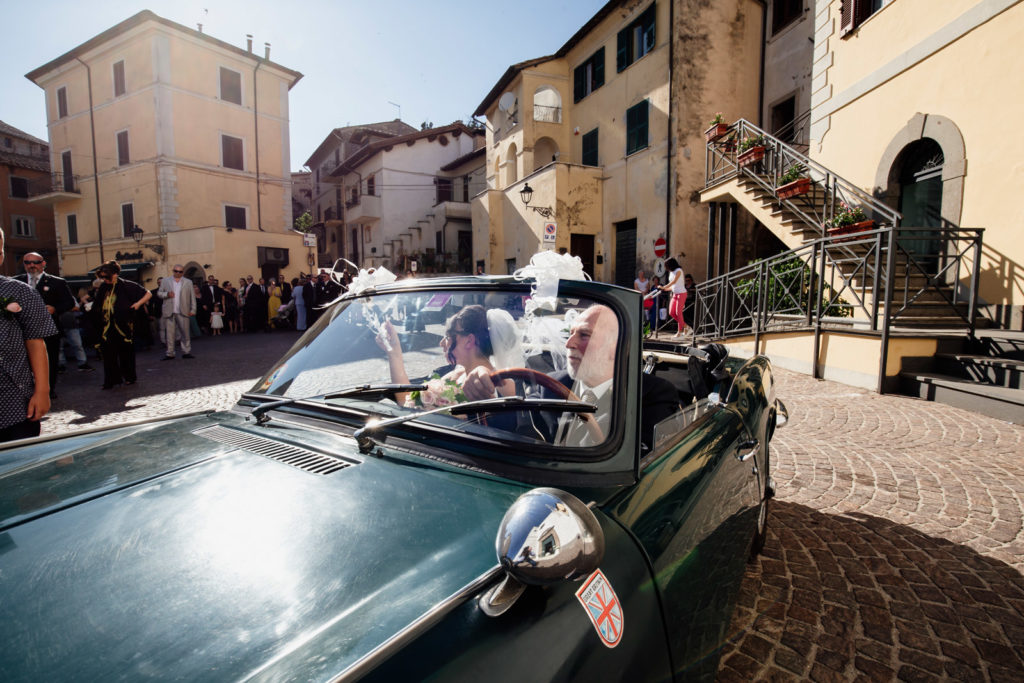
(563, 392)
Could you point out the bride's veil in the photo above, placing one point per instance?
(506, 340)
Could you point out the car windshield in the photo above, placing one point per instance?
(463, 345)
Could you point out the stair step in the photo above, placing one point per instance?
(999, 402)
(1002, 372)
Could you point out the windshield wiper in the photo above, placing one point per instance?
(501, 403)
(363, 390)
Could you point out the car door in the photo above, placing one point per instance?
(691, 513)
(548, 635)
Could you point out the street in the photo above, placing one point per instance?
(895, 548)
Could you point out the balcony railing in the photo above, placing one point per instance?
(57, 182)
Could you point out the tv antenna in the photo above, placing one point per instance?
(397, 106)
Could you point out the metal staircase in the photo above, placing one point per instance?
(885, 279)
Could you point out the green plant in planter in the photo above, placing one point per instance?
(719, 118)
(846, 215)
(790, 289)
(794, 172)
(749, 143)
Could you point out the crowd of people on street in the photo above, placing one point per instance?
(44, 326)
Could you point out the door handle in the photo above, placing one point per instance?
(747, 450)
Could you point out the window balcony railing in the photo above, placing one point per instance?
(58, 187)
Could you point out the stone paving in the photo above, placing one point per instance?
(895, 551)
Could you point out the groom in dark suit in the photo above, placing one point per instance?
(58, 299)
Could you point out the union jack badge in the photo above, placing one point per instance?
(603, 607)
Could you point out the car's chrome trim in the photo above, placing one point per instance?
(389, 647)
(69, 434)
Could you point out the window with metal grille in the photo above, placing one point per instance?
(636, 40)
(589, 157)
(234, 217)
(123, 157)
(127, 219)
(232, 152)
(588, 76)
(119, 85)
(636, 127)
(230, 86)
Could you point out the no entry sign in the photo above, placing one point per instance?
(659, 247)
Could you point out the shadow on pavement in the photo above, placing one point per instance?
(840, 597)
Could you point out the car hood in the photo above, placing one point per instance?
(157, 552)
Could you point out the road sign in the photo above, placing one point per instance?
(550, 230)
(659, 247)
(308, 239)
(659, 267)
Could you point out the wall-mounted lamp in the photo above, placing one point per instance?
(136, 234)
(527, 194)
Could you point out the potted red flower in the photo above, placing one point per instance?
(751, 151)
(793, 183)
(848, 220)
(718, 128)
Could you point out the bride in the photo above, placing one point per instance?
(474, 337)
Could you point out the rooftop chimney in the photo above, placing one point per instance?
(199, 27)
(248, 41)
(266, 51)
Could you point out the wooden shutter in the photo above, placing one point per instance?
(848, 16)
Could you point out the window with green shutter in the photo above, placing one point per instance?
(588, 76)
(636, 127)
(589, 157)
(637, 39)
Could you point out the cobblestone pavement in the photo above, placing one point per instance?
(224, 367)
(895, 550)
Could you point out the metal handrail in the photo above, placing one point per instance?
(722, 164)
(57, 182)
(820, 284)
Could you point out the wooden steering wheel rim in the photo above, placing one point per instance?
(553, 385)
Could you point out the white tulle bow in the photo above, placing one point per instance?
(547, 268)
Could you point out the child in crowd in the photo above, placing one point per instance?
(216, 320)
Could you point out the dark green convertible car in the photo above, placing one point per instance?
(454, 479)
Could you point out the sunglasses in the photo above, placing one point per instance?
(179, 271)
(33, 263)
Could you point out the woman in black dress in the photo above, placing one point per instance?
(114, 316)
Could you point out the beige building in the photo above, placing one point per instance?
(159, 128)
(607, 136)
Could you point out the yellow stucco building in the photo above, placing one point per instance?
(159, 128)
(605, 136)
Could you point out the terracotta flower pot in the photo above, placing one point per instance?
(751, 156)
(716, 131)
(852, 229)
(794, 189)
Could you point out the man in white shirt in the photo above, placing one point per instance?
(179, 305)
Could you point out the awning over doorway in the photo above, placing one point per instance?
(129, 271)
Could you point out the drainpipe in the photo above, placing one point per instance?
(760, 88)
(256, 130)
(95, 163)
(671, 157)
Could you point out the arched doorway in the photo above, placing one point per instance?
(920, 198)
(511, 161)
(545, 150)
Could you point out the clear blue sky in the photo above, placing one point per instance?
(436, 59)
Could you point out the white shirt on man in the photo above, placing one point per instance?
(176, 285)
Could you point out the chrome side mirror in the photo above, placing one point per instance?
(547, 536)
(781, 413)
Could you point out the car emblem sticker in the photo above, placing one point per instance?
(603, 607)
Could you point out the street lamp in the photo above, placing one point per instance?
(526, 194)
(136, 234)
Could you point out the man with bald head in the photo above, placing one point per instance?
(58, 299)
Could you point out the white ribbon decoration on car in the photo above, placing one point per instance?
(368, 279)
(547, 268)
